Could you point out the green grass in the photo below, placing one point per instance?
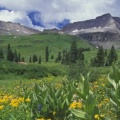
(36, 44)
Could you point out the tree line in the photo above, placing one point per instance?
(74, 55)
(103, 58)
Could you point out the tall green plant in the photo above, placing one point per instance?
(114, 91)
(90, 109)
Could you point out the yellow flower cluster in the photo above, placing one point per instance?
(16, 101)
(97, 116)
(12, 101)
(76, 105)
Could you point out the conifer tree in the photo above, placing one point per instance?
(10, 54)
(59, 57)
(46, 54)
(73, 52)
(1, 54)
(80, 55)
(35, 58)
(100, 58)
(19, 57)
(39, 61)
(15, 57)
(23, 59)
(112, 56)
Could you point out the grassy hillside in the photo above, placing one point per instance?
(36, 44)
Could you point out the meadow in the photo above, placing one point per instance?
(53, 91)
(57, 98)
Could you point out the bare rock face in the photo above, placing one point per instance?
(102, 29)
(9, 28)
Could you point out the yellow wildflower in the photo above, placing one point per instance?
(28, 100)
(97, 117)
(79, 104)
(102, 115)
(54, 113)
(76, 105)
(1, 107)
(73, 105)
(21, 99)
(14, 103)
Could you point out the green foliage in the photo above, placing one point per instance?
(99, 60)
(30, 71)
(46, 54)
(73, 52)
(112, 57)
(75, 70)
(114, 92)
(1, 54)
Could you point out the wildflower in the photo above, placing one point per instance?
(79, 104)
(97, 117)
(73, 105)
(39, 107)
(21, 99)
(76, 105)
(54, 113)
(14, 103)
(1, 107)
(102, 115)
(28, 100)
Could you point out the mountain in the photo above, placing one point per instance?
(103, 30)
(9, 28)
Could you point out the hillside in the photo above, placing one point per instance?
(36, 44)
(9, 28)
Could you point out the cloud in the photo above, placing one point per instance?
(49, 13)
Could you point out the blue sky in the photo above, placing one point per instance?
(48, 14)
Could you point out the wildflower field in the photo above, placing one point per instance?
(50, 99)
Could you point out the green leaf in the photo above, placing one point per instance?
(86, 86)
(79, 114)
(44, 108)
(90, 104)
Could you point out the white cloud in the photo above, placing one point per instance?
(58, 10)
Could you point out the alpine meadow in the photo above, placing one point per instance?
(67, 74)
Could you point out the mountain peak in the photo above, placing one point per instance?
(107, 15)
(101, 23)
(9, 28)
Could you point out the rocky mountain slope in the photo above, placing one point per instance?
(9, 28)
(103, 30)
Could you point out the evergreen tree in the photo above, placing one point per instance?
(23, 59)
(1, 54)
(112, 57)
(73, 52)
(19, 57)
(52, 56)
(80, 55)
(35, 58)
(46, 54)
(100, 58)
(10, 54)
(59, 57)
(39, 61)
(15, 57)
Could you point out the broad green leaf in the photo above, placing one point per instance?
(79, 114)
(90, 104)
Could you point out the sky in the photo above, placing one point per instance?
(49, 14)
